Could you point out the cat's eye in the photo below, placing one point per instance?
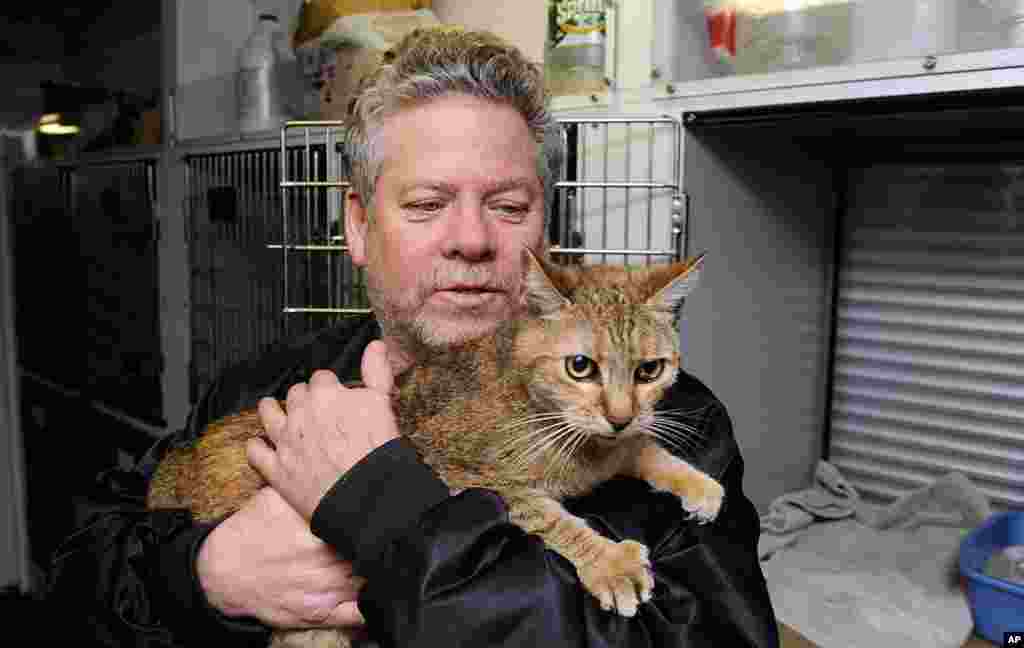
(650, 371)
(580, 367)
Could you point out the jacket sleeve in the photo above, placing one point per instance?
(453, 571)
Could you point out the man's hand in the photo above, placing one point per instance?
(264, 562)
(327, 430)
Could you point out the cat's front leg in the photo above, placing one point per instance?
(314, 638)
(617, 573)
(702, 496)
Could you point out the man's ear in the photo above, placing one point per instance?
(357, 222)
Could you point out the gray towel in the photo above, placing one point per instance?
(830, 498)
(949, 501)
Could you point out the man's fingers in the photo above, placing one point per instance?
(346, 615)
(271, 416)
(323, 378)
(297, 394)
(376, 368)
(262, 458)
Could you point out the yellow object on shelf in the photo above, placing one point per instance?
(316, 16)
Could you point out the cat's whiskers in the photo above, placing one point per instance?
(680, 425)
(677, 434)
(558, 441)
(669, 440)
(558, 459)
(565, 442)
(519, 439)
(544, 454)
(529, 453)
(675, 422)
(568, 450)
(516, 438)
(546, 437)
(531, 418)
(684, 410)
(677, 416)
(562, 460)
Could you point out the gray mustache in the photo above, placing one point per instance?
(483, 279)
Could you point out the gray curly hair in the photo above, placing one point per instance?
(437, 61)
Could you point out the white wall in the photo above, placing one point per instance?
(757, 329)
(209, 36)
(523, 22)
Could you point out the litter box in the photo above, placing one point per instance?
(997, 605)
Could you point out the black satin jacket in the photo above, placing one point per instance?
(442, 571)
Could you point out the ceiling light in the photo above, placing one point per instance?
(50, 124)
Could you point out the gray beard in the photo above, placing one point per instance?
(410, 336)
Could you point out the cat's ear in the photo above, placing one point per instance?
(542, 297)
(671, 296)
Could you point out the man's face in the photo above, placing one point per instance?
(457, 200)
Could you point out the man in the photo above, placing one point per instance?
(450, 180)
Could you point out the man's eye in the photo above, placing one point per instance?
(424, 209)
(512, 211)
(428, 206)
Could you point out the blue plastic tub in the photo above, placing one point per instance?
(996, 604)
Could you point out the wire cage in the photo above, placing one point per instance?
(619, 198)
(318, 278)
(246, 270)
(266, 237)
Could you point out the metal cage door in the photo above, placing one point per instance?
(618, 197)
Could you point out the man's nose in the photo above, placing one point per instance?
(470, 235)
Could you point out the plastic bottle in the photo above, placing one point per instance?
(261, 104)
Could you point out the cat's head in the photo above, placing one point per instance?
(601, 342)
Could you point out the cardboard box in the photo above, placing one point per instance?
(147, 130)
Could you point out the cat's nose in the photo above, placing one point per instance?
(620, 424)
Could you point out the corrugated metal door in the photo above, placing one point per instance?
(929, 349)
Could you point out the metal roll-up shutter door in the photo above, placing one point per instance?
(928, 371)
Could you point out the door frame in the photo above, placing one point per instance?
(12, 454)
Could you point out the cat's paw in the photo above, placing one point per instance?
(621, 578)
(318, 638)
(703, 502)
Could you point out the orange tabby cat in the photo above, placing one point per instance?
(573, 386)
